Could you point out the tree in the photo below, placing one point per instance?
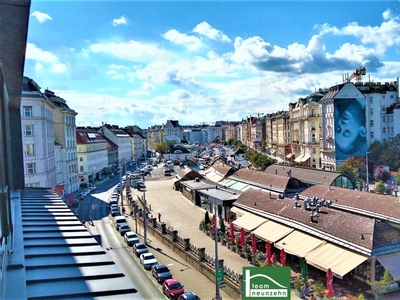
(380, 187)
(162, 148)
(398, 176)
(379, 286)
(348, 171)
(381, 174)
(264, 144)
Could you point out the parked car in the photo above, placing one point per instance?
(131, 238)
(189, 296)
(167, 172)
(140, 248)
(115, 211)
(92, 187)
(119, 220)
(123, 228)
(148, 260)
(172, 288)
(161, 272)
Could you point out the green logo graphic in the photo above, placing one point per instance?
(266, 283)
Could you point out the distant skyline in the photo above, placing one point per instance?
(145, 62)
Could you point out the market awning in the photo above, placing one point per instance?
(392, 262)
(290, 155)
(305, 157)
(272, 231)
(249, 221)
(298, 158)
(238, 211)
(299, 243)
(341, 261)
(214, 177)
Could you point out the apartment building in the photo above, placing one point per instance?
(92, 155)
(121, 138)
(171, 131)
(37, 121)
(65, 134)
(153, 136)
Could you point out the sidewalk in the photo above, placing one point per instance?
(182, 215)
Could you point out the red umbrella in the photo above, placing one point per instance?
(242, 237)
(232, 233)
(268, 249)
(213, 223)
(253, 244)
(283, 257)
(329, 283)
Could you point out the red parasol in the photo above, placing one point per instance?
(232, 233)
(253, 244)
(213, 223)
(268, 254)
(283, 257)
(329, 283)
(242, 237)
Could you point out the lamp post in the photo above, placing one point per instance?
(216, 262)
(366, 166)
(145, 211)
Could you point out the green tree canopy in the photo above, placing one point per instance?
(162, 148)
(386, 152)
(348, 171)
(380, 187)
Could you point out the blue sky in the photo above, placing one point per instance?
(145, 62)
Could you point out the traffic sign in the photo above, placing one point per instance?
(219, 275)
(222, 285)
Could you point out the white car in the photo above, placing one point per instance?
(131, 238)
(148, 260)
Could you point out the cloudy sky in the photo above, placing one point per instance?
(145, 62)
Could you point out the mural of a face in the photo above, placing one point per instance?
(350, 131)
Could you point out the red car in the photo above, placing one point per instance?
(172, 288)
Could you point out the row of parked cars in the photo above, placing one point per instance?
(171, 287)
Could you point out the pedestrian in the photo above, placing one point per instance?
(159, 217)
(91, 221)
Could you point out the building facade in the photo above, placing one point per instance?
(38, 136)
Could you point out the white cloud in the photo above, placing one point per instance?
(115, 71)
(44, 57)
(188, 41)
(383, 36)
(130, 50)
(41, 17)
(162, 72)
(120, 21)
(205, 29)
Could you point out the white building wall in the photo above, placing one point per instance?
(39, 165)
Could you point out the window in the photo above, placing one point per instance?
(383, 108)
(30, 168)
(383, 119)
(383, 96)
(371, 123)
(27, 111)
(29, 149)
(371, 135)
(81, 168)
(391, 97)
(384, 130)
(371, 112)
(314, 150)
(28, 130)
(371, 100)
(81, 158)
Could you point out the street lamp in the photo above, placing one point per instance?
(143, 186)
(216, 262)
(366, 165)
